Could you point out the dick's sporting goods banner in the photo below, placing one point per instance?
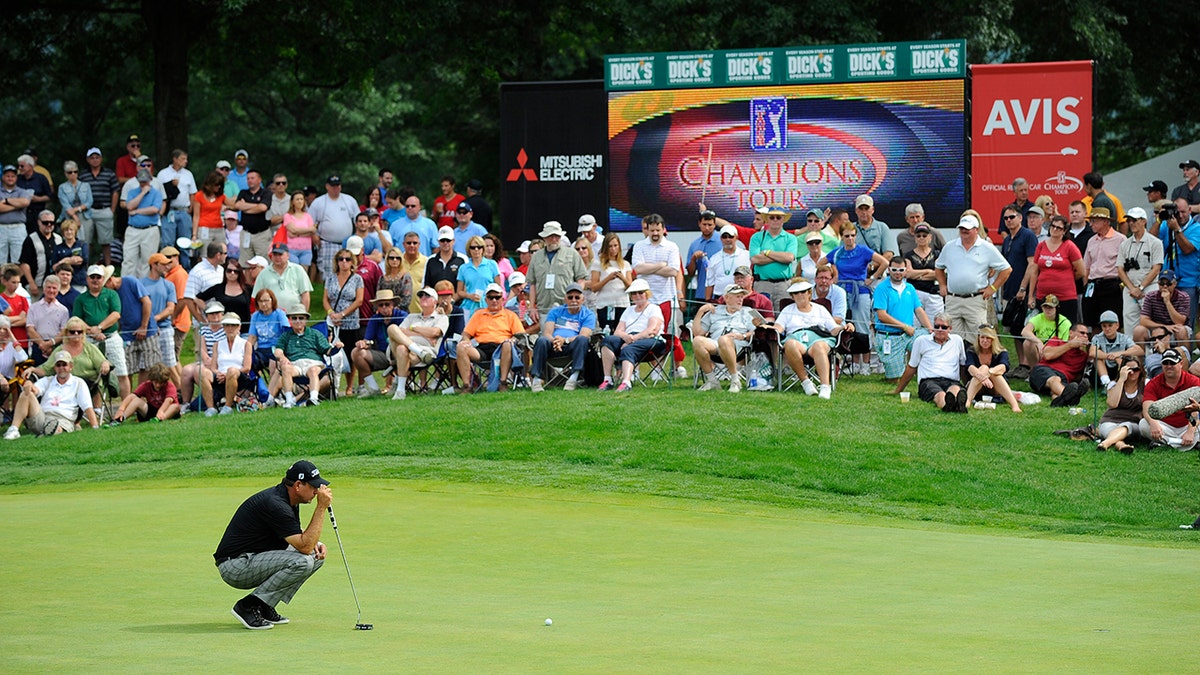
(553, 156)
(1033, 121)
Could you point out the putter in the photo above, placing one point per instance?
(358, 625)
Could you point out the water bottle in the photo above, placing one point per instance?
(754, 378)
(493, 383)
(985, 405)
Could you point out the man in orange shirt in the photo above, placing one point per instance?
(182, 318)
(490, 330)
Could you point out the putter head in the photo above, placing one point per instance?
(364, 626)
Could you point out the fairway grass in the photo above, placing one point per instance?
(458, 577)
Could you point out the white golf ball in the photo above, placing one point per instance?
(549, 622)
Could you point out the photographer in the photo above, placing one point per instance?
(1179, 238)
(1140, 259)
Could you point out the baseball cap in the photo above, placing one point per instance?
(224, 164)
(93, 151)
(354, 244)
(230, 214)
(573, 286)
(493, 288)
(734, 289)
(371, 211)
(427, 291)
(305, 471)
(143, 158)
(241, 152)
(1171, 356)
(524, 247)
(1156, 186)
(132, 138)
(799, 286)
(515, 278)
(231, 319)
(475, 184)
(257, 261)
(1135, 213)
(729, 230)
(1190, 164)
(158, 258)
(1050, 300)
(63, 356)
(1109, 317)
(863, 199)
(742, 270)
(445, 233)
(334, 180)
(1165, 275)
(169, 251)
(9, 167)
(464, 207)
(585, 220)
(279, 248)
(815, 212)
(812, 237)
(968, 222)
(1038, 210)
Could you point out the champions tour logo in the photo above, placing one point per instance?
(768, 123)
(557, 168)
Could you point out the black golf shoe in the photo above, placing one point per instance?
(249, 613)
(268, 613)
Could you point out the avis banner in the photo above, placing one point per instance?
(1031, 121)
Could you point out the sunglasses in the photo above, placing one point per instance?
(1057, 227)
(493, 297)
(814, 220)
(1010, 217)
(135, 144)
(231, 271)
(71, 173)
(74, 332)
(94, 276)
(394, 257)
(727, 236)
(46, 222)
(475, 248)
(940, 326)
(345, 259)
(223, 168)
(775, 217)
(813, 243)
(412, 206)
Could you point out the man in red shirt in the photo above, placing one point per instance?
(1060, 372)
(446, 204)
(1177, 430)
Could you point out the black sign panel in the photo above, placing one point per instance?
(553, 156)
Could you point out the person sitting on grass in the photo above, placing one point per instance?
(1039, 328)
(371, 352)
(1177, 430)
(725, 331)
(1122, 421)
(1060, 372)
(301, 352)
(987, 362)
(489, 334)
(567, 329)
(1111, 346)
(230, 363)
(638, 332)
(935, 360)
(155, 399)
(51, 405)
(809, 330)
(418, 338)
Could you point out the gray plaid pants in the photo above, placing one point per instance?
(275, 576)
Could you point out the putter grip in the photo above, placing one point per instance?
(1169, 405)
(333, 521)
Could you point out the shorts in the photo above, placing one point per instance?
(141, 354)
(893, 353)
(378, 360)
(114, 352)
(302, 257)
(48, 423)
(208, 235)
(806, 337)
(1107, 428)
(166, 346)
(1040, 375)
(303, 365)
(102, 223)
(932, 386)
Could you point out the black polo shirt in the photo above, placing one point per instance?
(254, 223)
(262, 523)
(436, 269)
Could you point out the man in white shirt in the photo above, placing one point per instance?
(50, 405)
(333, 213)
(935, 360)
(178, 222)
(722, 263)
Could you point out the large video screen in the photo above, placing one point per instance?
(796, 146)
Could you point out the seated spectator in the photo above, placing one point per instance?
(1177, 430)
(987, 362)
(454, 327)
(1167, 308)
(46, 319)
(266, 325)
(1060, 372)
(935, 360)
(210, 332)
(301, 352)
(230, 364)
(490, 331)
(287, 280)
(638, 332)
(567, 329)
(89, 362)
(1122, 420)
(809, 330)
(155, 399)
(418, 338)
(724, 332)
(1160, 341)
(371, 352)
(898, 315)
(518, 303)
(1039, 328)
(51, 405)
(11, 354)
(1112, 346)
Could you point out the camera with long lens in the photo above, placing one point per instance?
(1167, 212)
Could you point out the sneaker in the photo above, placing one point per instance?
(961, 403)
(211, 412)
(1081, 390)
(249, 613)
(537, 387)
(571, 385)
(399, 395)
(269, 614)
(809, 388)
(825, 392)
(1064, 399)
(313, 402)
(225, 410)
(12, 434)
(115, 422)
(288, 404)
(681, 372)
(427, 355)
(950, 404)
(656, 376)
(735, 385)
(624, 386)
(270, 402)
(710, 383)
(448, 391)
(605, 385)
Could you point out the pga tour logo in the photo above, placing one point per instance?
(768, 123)
(631, 71)
(872, 61)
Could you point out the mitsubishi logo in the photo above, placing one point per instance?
(521, 170)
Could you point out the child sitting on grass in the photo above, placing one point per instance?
(155, 399)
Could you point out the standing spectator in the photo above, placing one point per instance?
(232, 292)
(105, 190)
(280, 204)
(493, 249)
(1190, 190)
(137, 326)
(342, 298)
(253, 202)
(720, 264)
(144, 204)
(39, 187)
(555, 267)
(1035, 218)
(162, 309)
(287, 280)
(589, 231)
(466, 228)
(921, 269)
(475, 277)
(876, 235)
(1018, 248)
(698, 253)
(241, 170)
(180, 187)
(1181, 254)
(73, 252)
(204, 275)
(1020, 203)
(1079, 230)
(333, 213)
(412, 221)
(14, 202)
(446, 203)
(207, 224)
(444, 265)
(611, 275)
(75, 196)
(1100, 264)
(970, 271)
(411, 264)
(479, 205)
(1139, 261)
(584, 249)
(100, 309)
(772, 251)
(37, 253)
(300, 231)
(1057, 263)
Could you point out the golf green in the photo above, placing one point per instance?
(460, 578)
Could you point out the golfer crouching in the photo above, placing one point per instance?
(264, 548)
